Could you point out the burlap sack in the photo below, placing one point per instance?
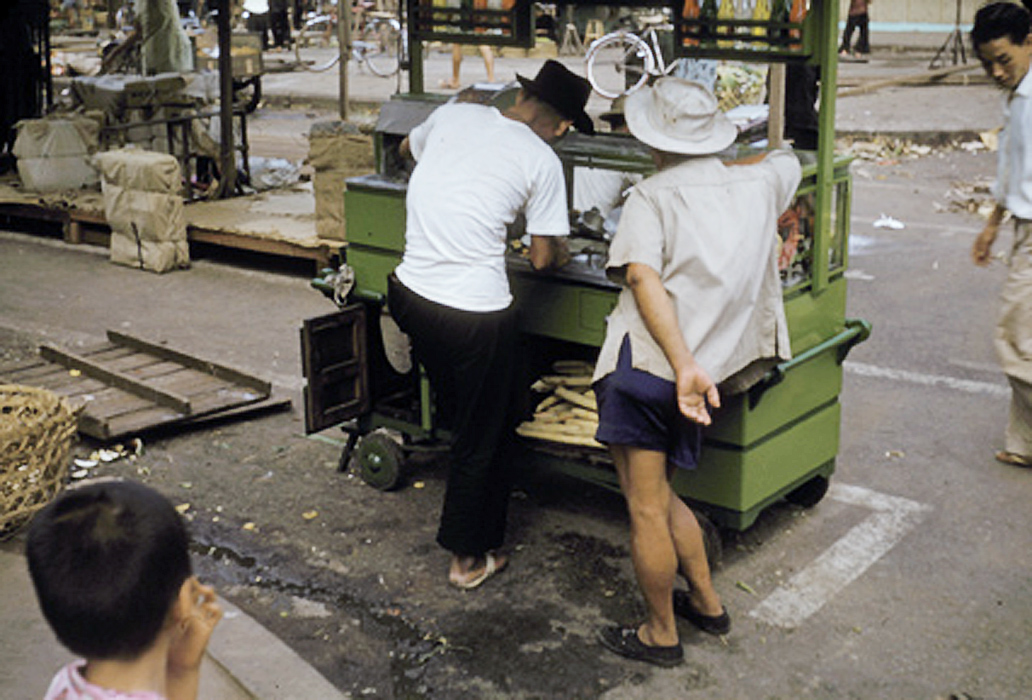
(137, 169)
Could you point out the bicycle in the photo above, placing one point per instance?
(382, 45)
(620, 62)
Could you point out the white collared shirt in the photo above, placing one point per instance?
(1013, 188)
(710, 231)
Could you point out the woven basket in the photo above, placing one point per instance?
(36, 431)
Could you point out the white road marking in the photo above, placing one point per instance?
(901, 375)
(846, 560)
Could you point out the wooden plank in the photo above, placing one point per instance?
(217, 370)
(117, 379)
(23, 366)
(923, 78)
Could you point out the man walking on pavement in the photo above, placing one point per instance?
(1002, 42)
(476, 170)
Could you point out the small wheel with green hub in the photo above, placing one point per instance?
(379, 461)
(809, 493)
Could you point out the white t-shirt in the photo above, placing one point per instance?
(710, 231)
(475, 171)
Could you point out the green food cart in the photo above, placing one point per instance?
(777, 440)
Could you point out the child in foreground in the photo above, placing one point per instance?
(111, 567)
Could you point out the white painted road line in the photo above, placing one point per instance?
(846, 560)
(900, 375)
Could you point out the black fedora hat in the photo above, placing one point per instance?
(563, 90)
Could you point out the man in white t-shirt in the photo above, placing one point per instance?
(476, 170)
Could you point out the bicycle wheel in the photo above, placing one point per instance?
(381, 46)
(618, 64)
(314, 48)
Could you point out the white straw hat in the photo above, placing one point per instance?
(679, 116)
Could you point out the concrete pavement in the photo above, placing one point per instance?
(962, 103)
(246, 661)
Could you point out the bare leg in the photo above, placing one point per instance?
(485, 52)
(691, 553)
(644, 484)
(456, 68)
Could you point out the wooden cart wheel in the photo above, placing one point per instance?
(810, 493)
(379, 461)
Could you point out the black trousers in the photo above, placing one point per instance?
(861, 22)
(470, 359)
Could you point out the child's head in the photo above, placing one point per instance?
(108, 560)
(1000, 37)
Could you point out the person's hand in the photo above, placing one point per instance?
(194, 629)
(983, 245)
(694, 389)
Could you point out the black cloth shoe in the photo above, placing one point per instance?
(711, 624)
(625, 642)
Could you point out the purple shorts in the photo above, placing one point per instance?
(639, 409)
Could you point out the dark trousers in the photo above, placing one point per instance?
(279, 23)
(470, 360)
(861, 22)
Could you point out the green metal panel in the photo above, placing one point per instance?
(375, 218)
(744, 419)
(371, 268)
(739, 480)
(812, 319)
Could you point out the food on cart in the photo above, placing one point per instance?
(569, 412)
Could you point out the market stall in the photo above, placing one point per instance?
(777, 440)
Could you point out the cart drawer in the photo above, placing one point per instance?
(562, 311)
(742, 479)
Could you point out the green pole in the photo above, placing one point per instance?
(827, 50)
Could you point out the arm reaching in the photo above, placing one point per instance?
(694, 386)
(548, 252)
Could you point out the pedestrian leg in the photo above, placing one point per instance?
(644, 484)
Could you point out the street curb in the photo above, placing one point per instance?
(265, 667)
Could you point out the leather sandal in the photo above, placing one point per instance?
(492, 566)
(1013, 458)
(711, 624)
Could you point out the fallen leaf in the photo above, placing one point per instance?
(745, 587)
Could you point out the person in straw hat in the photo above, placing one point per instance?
(602, 188)
(701, 306)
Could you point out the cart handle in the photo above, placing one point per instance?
(857, 330)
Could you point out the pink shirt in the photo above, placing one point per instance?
(69, 684)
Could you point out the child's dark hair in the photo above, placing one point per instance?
(1000, 19)
(107, 560)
